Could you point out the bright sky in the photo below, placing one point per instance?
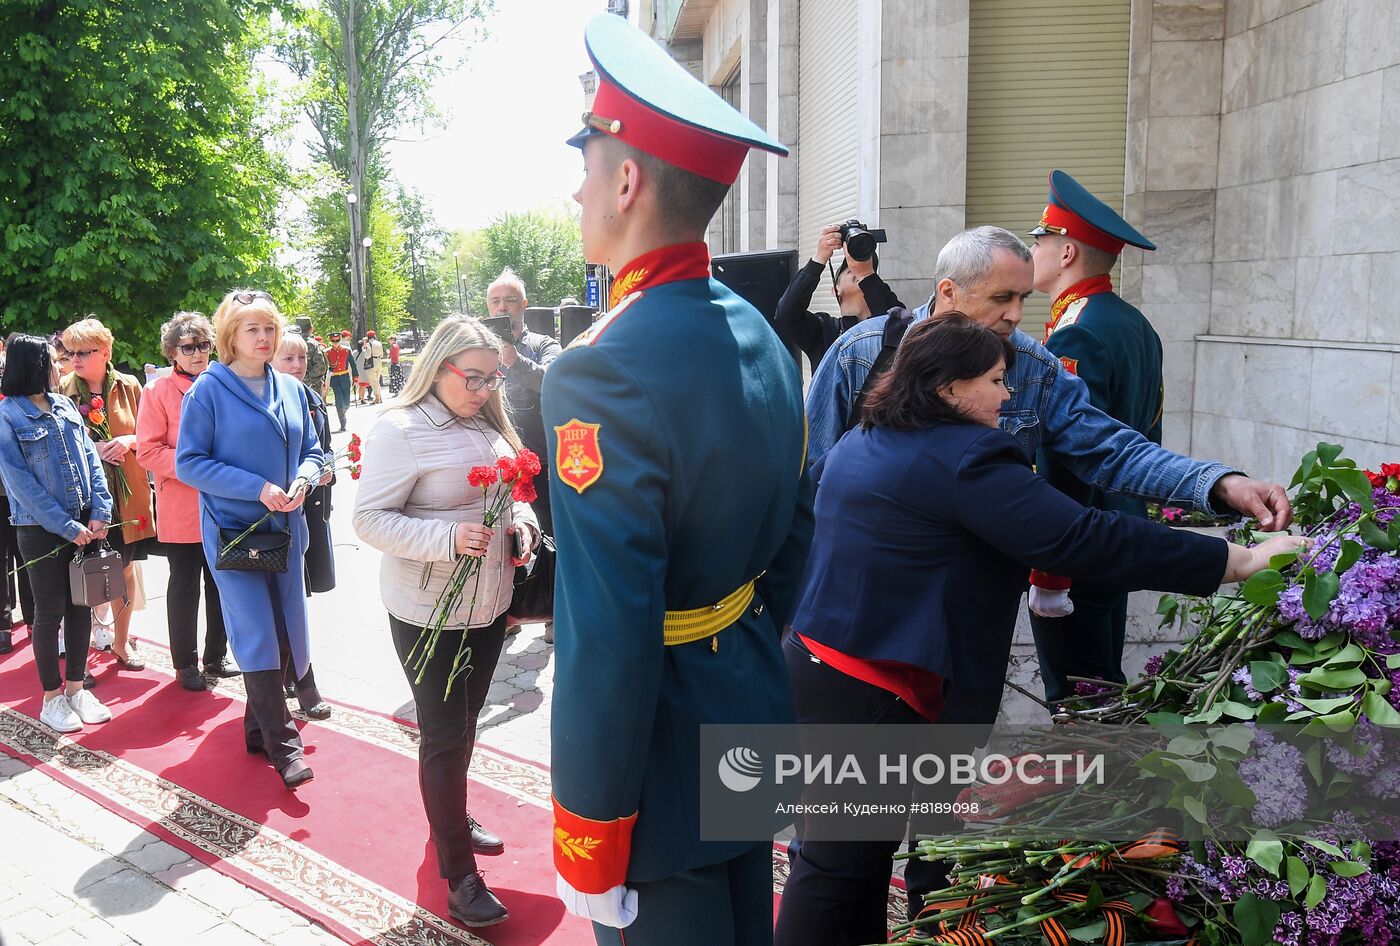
(507, 112)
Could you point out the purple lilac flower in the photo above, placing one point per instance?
(1275, 774)
(1153, 666)
(1367, 736)
(1386, 782)
(1242, 676)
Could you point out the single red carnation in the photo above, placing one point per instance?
(508, 469)
(355, 472)
(1164, 918)
(141, 523)
(523, 491)
(1377, 481)
(353, 453)
(355, 441)
(528, 462)
(1390, 469)
(481, 476)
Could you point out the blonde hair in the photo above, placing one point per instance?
(231, 314)
(453, 336)
(292, 341)
(87, 332)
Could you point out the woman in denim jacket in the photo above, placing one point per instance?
(58, 496)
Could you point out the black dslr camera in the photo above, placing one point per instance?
(860, 241)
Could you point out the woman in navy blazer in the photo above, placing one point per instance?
(249, 446)
(928, 518)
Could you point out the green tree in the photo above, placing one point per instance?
(544, 248)
(366, 68)
(138, 162)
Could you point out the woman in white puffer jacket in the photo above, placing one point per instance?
(415, 505)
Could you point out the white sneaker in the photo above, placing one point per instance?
(88, 707)
(58, 714)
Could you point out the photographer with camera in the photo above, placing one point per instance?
(860, 292)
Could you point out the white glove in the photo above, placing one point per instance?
(1051, 604)
(616, 907)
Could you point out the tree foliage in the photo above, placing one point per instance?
(138, 163)
(543, 247)
(366, 67)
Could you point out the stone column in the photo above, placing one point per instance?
(780, 204)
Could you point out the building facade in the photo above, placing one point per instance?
(1256, 141)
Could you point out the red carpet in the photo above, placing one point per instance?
(349, 849)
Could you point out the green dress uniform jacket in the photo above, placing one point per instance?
(677, 438)
(1115, 351)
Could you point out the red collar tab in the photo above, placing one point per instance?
(666, 264)
(1085, 287)
(1057, 219)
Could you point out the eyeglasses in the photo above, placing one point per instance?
(248, 298)
(190, 348)
(476, 382)
(83, 354)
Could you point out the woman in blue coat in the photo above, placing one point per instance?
(928, 520)
(249, 446)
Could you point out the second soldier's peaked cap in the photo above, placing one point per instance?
(1075, 213)
(648, 100)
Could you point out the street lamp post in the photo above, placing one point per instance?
(461, 290)
(369, 283)
(458, 266)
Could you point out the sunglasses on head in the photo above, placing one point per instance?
(476, 382)
(248, 298)
(191, 348)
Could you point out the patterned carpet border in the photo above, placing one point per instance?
(366, 910)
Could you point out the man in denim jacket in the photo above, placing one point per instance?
(986, 273)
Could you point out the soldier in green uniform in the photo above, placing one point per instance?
(1114, 350)
(682, 516)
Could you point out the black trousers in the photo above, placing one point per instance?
(267, 724)
(53, 602)
(1088, 643)
(187, 565)
(730, 902)
(447, 732)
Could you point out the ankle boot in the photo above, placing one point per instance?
(473, 904)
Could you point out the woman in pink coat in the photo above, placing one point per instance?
(187, 339)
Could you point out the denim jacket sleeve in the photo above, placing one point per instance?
(1107, 454)
(836, 382)
(25, 490)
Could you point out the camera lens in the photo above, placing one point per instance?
(860, 245)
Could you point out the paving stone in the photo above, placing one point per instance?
(264, 918)
(221, 894)
(33, 925)
(226, 934)
(157, 856)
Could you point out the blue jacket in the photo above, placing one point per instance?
(50, 467)
(1049, 408)
(701, 488)
(922, 543)
(230, 444)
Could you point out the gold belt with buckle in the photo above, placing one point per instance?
(684, 627)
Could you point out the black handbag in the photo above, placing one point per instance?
(533, 601)
(257, 552)
(96, 579)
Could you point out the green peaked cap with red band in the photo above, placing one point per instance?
(651, 102)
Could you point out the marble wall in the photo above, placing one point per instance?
(1264, 155)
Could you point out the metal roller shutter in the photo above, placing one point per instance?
(1047, 87)
(828, 141)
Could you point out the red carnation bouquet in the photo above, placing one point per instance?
(511, 479)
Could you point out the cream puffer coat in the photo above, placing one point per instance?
(413, 491)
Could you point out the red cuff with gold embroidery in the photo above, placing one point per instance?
(1048, 582)
(591, 855)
